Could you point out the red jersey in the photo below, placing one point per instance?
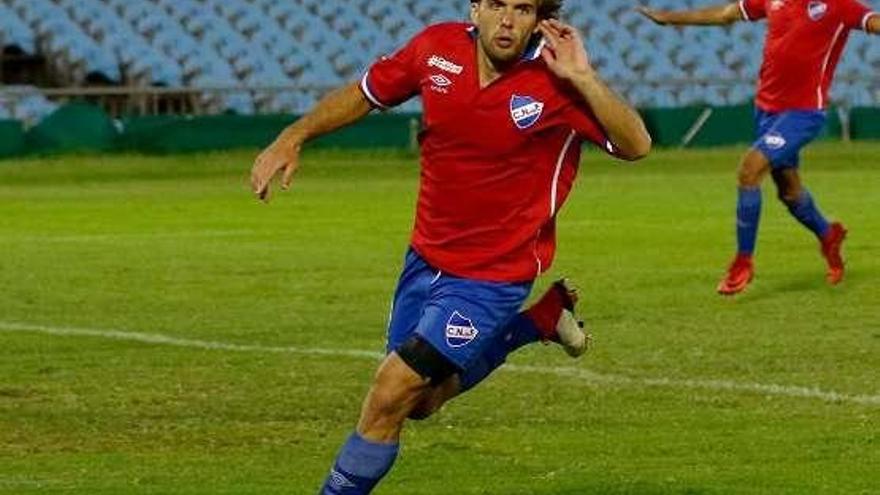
(497, 163)
(805, 39)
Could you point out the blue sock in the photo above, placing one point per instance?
(748, 214)
(519, 331)
(804, 209)
(359, 466)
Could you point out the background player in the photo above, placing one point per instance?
(805, 39)
(505, 113)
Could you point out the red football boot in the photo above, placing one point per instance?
(740, 273)
(830, 246)
(553, 316)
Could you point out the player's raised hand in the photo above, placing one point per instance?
(564, 53)
(655, 15)
(277, 158)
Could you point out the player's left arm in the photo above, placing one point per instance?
(567, 58)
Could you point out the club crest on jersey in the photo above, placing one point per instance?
(460, 331)
(817, 10)
(525, 111)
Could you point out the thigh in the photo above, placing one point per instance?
(783, 135)
(463, 317)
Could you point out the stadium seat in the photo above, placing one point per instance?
(14, 32)
(321, 43)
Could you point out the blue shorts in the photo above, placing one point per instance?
(461, 318)
(780, 136)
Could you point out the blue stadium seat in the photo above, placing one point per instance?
(14, 32)
(321, 43)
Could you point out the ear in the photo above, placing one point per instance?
(475, 11)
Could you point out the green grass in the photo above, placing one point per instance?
(176, 246)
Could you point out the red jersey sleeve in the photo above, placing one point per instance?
(753, 10)
(393, 79)
(587, 127)
(855, 14)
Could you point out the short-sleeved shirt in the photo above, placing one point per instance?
(805, 39)
(497, 162)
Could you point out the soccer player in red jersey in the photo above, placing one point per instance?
(805, 39)
(508, 100)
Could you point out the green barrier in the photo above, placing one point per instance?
(700, 126)
(82, 127)
(727, 125)
(864, 123)
(668, 126)
(73, 127)
(188, 134)
(168, 134)
(11, 138)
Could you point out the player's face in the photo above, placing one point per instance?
(505, 27)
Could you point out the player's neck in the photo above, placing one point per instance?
(489, 70)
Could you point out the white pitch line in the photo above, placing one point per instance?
(130, 236)
(579, 374)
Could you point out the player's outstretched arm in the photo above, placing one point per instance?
(338, 109)
(567, 58)
(718, 15)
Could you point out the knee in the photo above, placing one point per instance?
(395, 392)
(386, 403)
(436, 398)
(788, 188)
(752, 169)
(748, 176)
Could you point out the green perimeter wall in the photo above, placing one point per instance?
(81, 127)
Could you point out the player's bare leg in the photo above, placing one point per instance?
(436, 398)
(800, 203)
(369, 453)
(396, 391)
(753, 169)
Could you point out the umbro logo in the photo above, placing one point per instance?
(339, 480)
(444, 65)
(440, 83)
(441, 80)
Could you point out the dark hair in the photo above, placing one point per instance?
(547, 9)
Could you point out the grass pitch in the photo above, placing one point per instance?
(225, 389)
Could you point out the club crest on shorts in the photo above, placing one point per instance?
(774, 141)
(460, 331)
(817, 10)
(525, 111)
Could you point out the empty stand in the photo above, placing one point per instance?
(316, 44)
